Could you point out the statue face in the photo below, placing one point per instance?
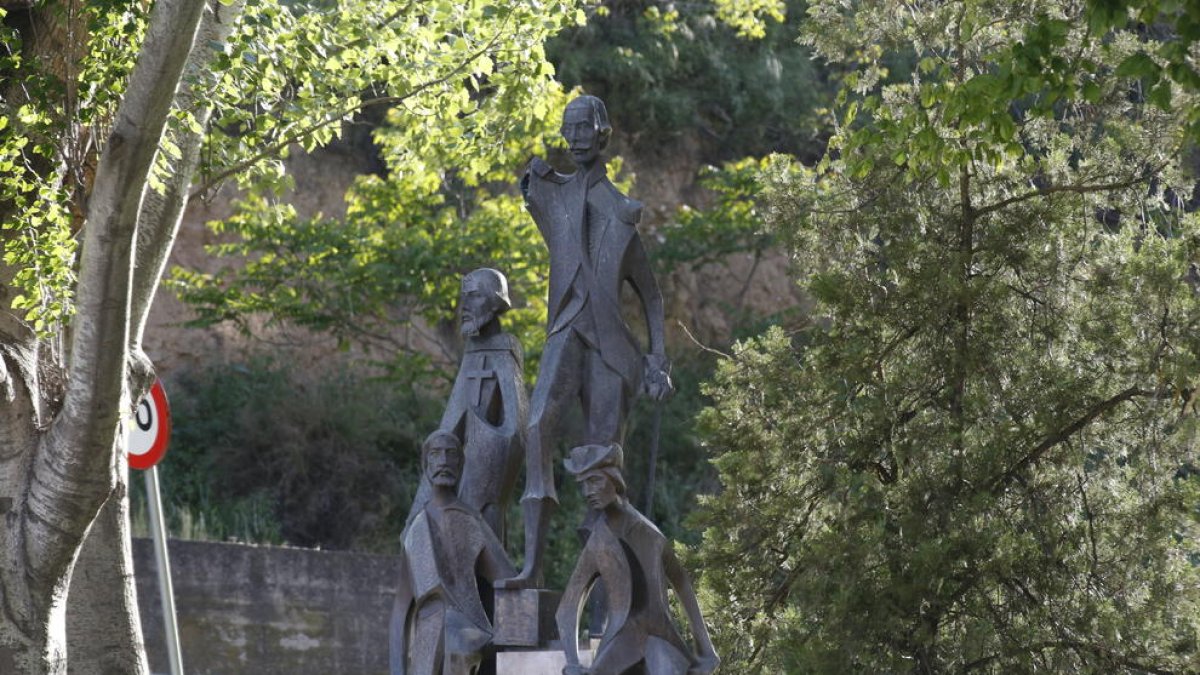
(599, 490)
(478, 305)
(443, 465)
(580, 132)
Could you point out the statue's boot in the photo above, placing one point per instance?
(537, 513)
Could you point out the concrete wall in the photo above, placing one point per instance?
(265, 610)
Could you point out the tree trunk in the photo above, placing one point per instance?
(104, 632)
(53, 480)
(103, 625)
(23, 632)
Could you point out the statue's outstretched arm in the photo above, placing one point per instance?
(456, 407)
(512, 394)
(656, 380)
(639, 275)
(571, 604)
(493, 563)
(707, 660)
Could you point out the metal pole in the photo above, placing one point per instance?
(158, 532)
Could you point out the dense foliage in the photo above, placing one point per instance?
(726, 76)
(386, 274)
(267, 454)
(980, 456)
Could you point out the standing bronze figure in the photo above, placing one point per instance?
(439, 626)
(635, 562)
(591, 355)
(487, 407)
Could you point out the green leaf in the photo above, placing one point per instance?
(1139, 65)
(1160, 95)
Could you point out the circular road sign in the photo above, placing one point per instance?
(149, 429)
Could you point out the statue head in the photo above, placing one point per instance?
(483, 298)
(597, 469)
(586, 129)
(442, 459)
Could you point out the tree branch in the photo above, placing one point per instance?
(1075, 189)
(1036, 453)
(74, 467)
(161, 214)
(301, 134)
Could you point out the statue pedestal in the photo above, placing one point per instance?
(525, 617)
(526, 635)
(536, 662)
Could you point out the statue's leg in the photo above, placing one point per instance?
(605, 399)
(664, 658)
(557, 384)
(605, 405)
(624, 651)
(426, 652)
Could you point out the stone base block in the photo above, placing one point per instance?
(525, 617)
(536, 663)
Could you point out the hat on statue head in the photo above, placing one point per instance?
(609, 459)
(441, 438)
(494, 282)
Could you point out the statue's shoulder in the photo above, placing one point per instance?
(513, 345)
(539, 169)
(639, 527)
(628, 210)
(500, 342)
(507, 342)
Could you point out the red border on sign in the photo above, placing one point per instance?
(158, 396)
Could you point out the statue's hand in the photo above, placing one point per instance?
(656, 381)
(704, 665)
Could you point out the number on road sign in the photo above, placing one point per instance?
(148, 430)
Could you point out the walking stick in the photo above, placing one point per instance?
(648, 498)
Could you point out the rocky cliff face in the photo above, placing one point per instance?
(320, 182)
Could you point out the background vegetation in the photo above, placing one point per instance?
(979, 453)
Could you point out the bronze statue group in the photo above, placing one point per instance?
(453, 538)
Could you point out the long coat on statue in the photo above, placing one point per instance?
(439, 626)
(590, 229)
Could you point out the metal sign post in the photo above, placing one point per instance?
(148, 433)
(158, 532)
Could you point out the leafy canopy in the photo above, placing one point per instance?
(461, 81)
(469, 96)
(44, 170)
